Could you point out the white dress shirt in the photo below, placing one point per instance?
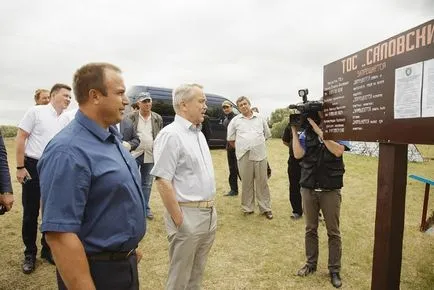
(249, 134)
(42, 123)
(182, 156)
(67, 116)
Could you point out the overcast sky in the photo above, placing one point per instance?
(263, 49)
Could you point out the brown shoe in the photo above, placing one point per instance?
(268, 215)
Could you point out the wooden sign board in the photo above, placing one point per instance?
(384, 93)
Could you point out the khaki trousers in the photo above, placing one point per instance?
(254, 173)
(330, 204)
(189, 246)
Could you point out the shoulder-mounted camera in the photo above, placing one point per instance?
(306, 109)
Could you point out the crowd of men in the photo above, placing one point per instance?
(91, 172)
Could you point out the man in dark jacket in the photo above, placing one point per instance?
(322, 170)
(6, 197)
(232, 159)
(294, 171)
(130, 139)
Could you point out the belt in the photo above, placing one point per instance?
(111, 256)
(27, 158)
(198, 204)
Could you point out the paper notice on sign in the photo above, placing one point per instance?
(428, 89)
(408, 91)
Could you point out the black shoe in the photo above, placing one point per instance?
(335, 279)
(306, 270)
(295, 216)
(268, 215)
(232, 193)
(48, 257)
(246, 213)
(29, 264)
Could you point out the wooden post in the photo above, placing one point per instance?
(389, 221)
(423, 223)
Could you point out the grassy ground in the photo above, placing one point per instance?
(254, 253)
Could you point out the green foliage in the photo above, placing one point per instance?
(279, 120)
(278, 115)
(277, 129)
(8, 131)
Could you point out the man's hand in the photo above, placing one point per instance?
(167, 194)
(7, 200)
(315, 128)
(126, 145)
(21, 173)
(296, 146)
(139, 255)
(178, 219)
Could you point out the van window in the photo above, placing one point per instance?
(214, 109)
(164, 107)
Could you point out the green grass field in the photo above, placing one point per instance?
(254, 253)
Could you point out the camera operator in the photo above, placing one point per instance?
(322, 170)
(6, 197)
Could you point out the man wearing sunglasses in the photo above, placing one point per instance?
(232, 159)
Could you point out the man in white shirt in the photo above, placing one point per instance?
(36, 129)
(185, 179)
(67, 117)
(247, 132)
(147, 125)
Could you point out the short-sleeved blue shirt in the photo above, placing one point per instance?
(302, 138)
(90, 185)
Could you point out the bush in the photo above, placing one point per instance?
(278, 128)
(278, 115)
(8, 131)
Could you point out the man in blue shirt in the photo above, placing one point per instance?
(93, 210)
(322, 170)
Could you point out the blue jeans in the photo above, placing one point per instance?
(146, 180)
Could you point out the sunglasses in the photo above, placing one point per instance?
(225, 107)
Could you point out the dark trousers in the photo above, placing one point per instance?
(233, 169)
(31, 202)
(113, 275)
(329, 202)
(294, 174)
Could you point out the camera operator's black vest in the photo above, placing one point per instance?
(320, 169)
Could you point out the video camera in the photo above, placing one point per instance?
(307, 109)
